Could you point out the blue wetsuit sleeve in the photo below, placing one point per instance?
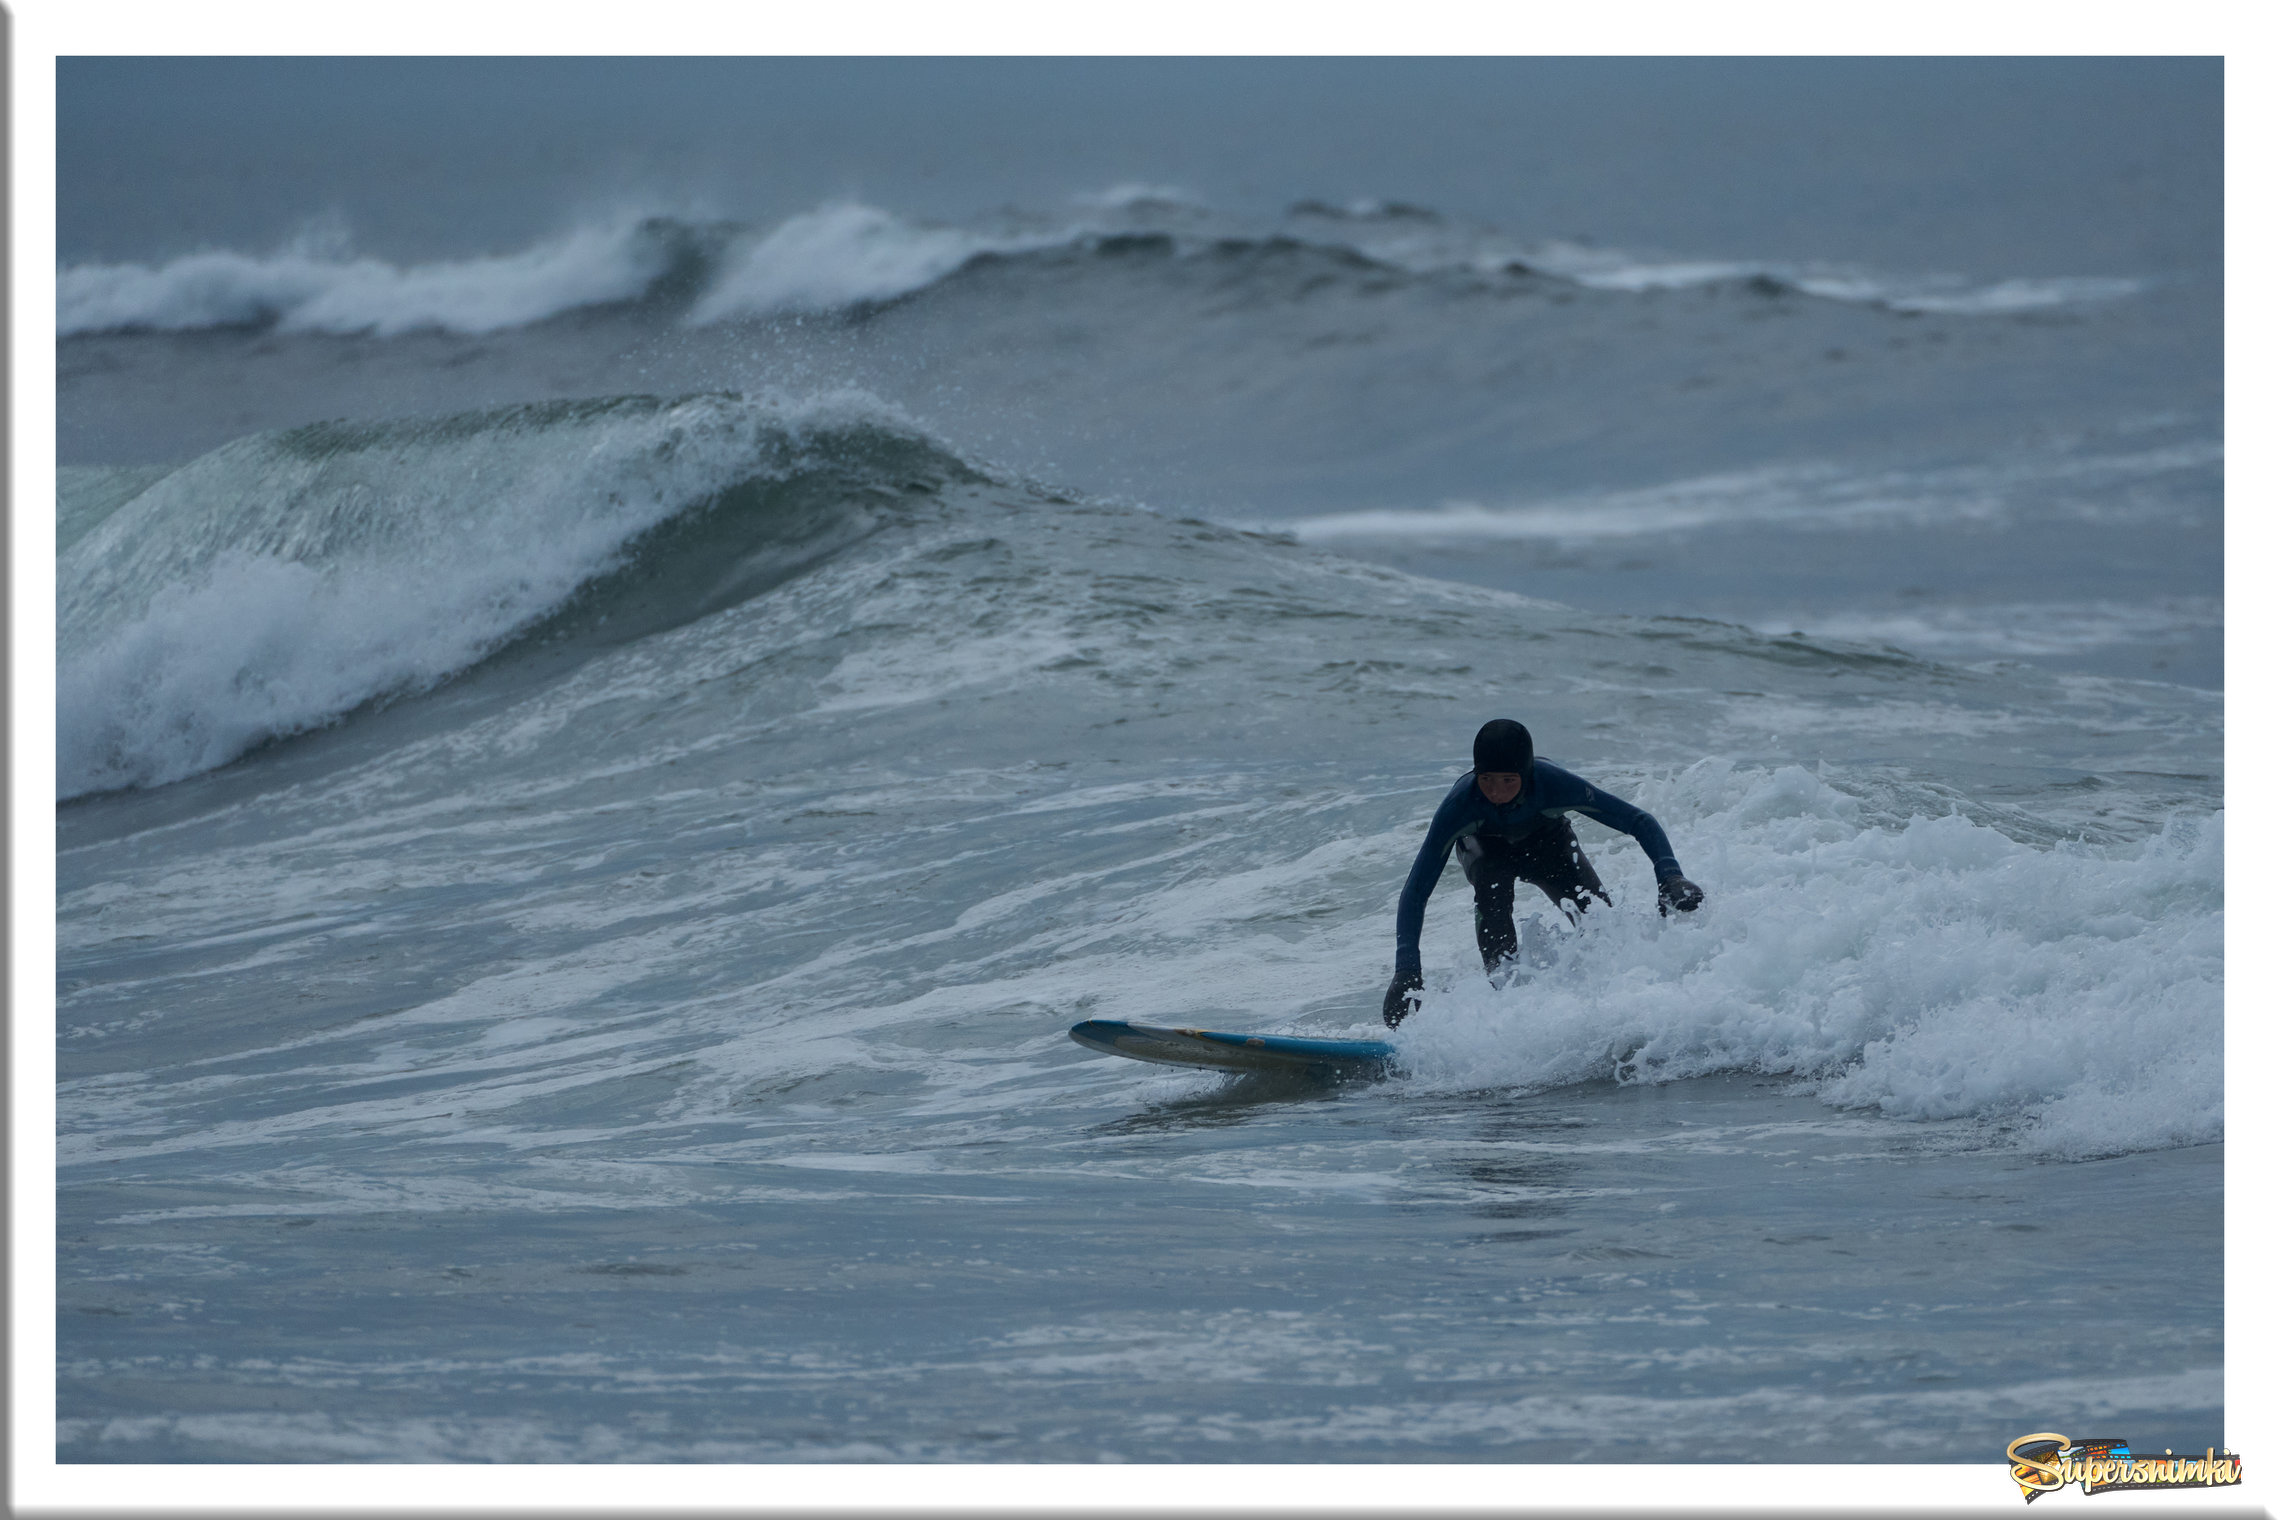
(1607, 808)
(1424, 874)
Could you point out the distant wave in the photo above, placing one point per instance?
(1419, 240)
(1801, 496)
(288, 578)
(2014, 295)
(2018, 629)
(847, 255)
(1135, 196)
(299, 290)
(1949, 295)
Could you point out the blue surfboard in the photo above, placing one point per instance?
(1234, 1052)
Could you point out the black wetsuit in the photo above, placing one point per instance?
(1528, 839)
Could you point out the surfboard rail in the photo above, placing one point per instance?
(1224, 1051)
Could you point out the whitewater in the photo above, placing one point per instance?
(594, 775)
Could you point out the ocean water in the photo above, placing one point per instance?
(602, 745)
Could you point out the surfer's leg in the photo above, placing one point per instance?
(1553, 860)
(1490, 868)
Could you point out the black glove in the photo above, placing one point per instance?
(1401, 998)
(1677, 892)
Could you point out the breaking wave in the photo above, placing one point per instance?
(847, 255)
(288, 578)
(304, 289)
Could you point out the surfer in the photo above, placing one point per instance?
(1506, 820)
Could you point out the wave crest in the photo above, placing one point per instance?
(285, 579)
(845, 255)
(302, 290)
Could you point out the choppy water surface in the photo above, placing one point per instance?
(595, 777)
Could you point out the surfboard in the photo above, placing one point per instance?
(1233, 1052)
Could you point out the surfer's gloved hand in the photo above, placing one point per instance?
(1677, 892)
(1401, 998)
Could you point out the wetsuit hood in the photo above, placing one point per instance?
(1503, 745)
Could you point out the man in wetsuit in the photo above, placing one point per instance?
(1506, 819)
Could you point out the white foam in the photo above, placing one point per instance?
(2012, 628)
(898, 674)
(1609, 269)
(303, 290)
(255, 646)
(1935, 969)
(2017, 295)
(2071, 486)
(1426, 245)
(1132, 195)
(1943, 294)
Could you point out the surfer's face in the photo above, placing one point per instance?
(1499, 787)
